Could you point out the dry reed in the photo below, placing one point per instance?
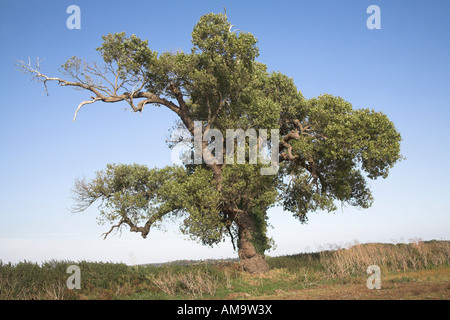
(389, 257)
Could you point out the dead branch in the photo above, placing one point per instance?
(102, 93)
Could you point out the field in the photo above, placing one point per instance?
(418, 270)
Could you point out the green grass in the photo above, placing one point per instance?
(222, 279)
(296, 261)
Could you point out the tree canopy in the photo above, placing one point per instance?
(327, 148)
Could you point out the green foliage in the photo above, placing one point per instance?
(202, 202)
(296, 261)
(28, 280)
(248, 188)
(282, 90)
(347, 145)
(130, 55)
(133, 191)
(260, 241)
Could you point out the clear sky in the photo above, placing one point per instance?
(402, 69)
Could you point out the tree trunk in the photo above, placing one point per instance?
(250, 259)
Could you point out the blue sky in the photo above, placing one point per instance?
(403, 69)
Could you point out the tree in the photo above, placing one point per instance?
(327, 149)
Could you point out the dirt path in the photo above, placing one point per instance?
(421, 285)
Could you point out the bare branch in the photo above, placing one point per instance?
(102, 93)
(133, 228)
(84, 196)
(40, 77)
(112, 228)
(82, 104)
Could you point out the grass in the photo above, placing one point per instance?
(409, 271)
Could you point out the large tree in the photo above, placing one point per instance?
(326, 148)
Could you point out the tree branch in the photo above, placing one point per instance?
(112, 228)
(133, 228)
(82, 104)
(101, 93)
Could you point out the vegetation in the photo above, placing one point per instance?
(322, 149)
(408, 270)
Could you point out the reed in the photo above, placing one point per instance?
(401, 257)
